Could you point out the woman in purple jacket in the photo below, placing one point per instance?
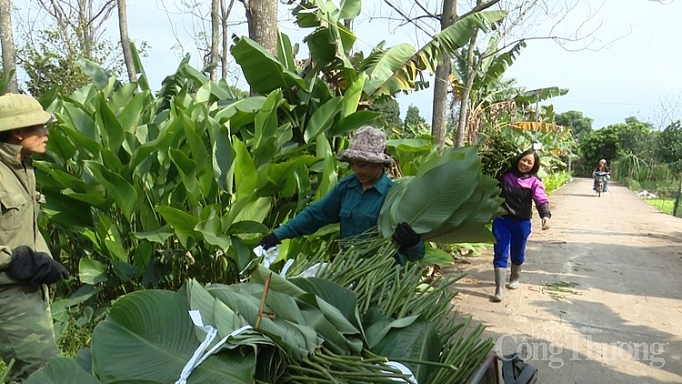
(520, 188)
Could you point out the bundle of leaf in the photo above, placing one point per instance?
(281, 331)
(449, 200)
(497, 152)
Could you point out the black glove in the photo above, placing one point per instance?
(406, 236)
(35, 268)
(269, 241)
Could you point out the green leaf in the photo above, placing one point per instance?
(99, 76)
(222, 159)
(462, 234)
(262, 70)
(323, 118)
(183, 223)
(285, 53)
(399, 68)
(344, 300)
(410, 145)
(156, 236)
(213, 232)
(187, 169)
(142, 80)
(417, 341)
(117, 251)
(123, 194)
(247, 226)
(124, 271)
(245, 299)
(350, 9)
(149, 336)
(62, 370)
(91, 271)
(432, 197)
(436, 256)
(244, 171)
(108, 125)
(354, 121)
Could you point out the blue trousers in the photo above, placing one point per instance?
(511, 235)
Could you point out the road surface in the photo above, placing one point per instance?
(600, 299)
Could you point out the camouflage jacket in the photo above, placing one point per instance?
(20, 204)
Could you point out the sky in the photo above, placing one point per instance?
(624, 65)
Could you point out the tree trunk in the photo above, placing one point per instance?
(226, 38)
(125, 40)
(84, 17)
(442, 81)
(261, 16)
(215, 39)
(9, 56)
(460, 132)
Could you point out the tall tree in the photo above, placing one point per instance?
(69, 30)
(580, 125)
(125, 40)
(225, 14)
(521, 23)
(670, 152)
(261, 16)
(389, 109)
(442, 85)
(9, 59)
(215, 40)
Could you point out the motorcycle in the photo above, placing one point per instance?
(601, 177)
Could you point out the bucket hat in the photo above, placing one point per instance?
(21, 111)
(368, 144)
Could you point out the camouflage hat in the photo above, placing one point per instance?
(20, 111)
(368, 144)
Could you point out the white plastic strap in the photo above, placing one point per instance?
(403, 369)
(199, 356)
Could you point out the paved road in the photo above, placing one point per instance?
(601, 293)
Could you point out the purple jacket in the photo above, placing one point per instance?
(519, 191)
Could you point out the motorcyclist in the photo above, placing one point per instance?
(601, 167)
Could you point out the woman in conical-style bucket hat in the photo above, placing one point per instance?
(355, 201)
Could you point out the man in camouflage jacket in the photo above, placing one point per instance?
(26, 265)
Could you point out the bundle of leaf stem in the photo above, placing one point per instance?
(368, 267)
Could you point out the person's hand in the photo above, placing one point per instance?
(406, 236)
(269, 241)
(35, 268)
(545, 223)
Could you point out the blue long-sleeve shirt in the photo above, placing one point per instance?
(356, 210)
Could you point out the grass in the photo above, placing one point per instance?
(559, 289)
(663, 205)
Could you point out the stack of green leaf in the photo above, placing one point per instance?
(310, 330)
(449, 200)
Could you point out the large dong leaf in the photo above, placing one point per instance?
(244, 299)
(386, 222)
(417, 341)
(150, 336)
(462, 234)
(62, 370)
(432, 197)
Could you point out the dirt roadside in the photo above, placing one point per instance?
(600, 299)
